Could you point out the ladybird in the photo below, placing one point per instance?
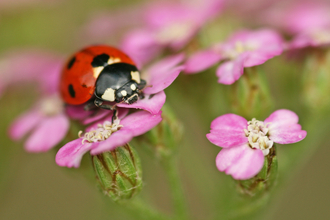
(100, 74)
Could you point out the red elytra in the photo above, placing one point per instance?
(78, 77)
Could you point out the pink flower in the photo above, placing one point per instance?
(106, 136)
(78, 112)
(308, 21)
(46, 123)
(158, 76)
(311, 24)
(245, 144)
(168, 24)
(243, 49)
(30, 65)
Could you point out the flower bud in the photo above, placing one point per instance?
(316, 80)
(166, 136)
(264, 180)
(250, 96)
(119, 172)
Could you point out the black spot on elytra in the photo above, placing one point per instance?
(71, 91)
(71, 62)
(100, 60)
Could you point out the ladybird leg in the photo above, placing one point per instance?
(89, 106)
(98, 103)
(114, 115)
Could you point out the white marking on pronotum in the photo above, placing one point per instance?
(133, 87)
(97, 71)
(135, 76)
(109, 95)
(113, 60)
(124, 93)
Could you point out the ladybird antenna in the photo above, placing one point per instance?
(145, 87)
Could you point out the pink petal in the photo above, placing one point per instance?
(140, 122)
(228, 131)
(240, 162)
(25, 123)
(281, 118)
(141, 46)
(287, 136)
(284, 127)
(258, 57)
(49, 132)
(301, 41)
(230, 71)
(49, 79)
(201, 61)
(306, 16)
(70, 154)
(270, 44)
(98, 114)
(117, 139)
(160, 14)
(77, 112)
(134, 125)
(122, 112)
(263, 45)
(163, 73)
(34, 65)
(150, 103)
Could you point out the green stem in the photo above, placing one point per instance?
(143, 210)
(178, 198)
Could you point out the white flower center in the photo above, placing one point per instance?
(238, 48)
(174, 32)
(51, 105)
(257, 133)
(102, 133)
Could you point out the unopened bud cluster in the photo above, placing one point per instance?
(119, 172)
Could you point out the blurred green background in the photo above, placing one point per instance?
(32, 186)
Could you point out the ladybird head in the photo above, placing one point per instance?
(119, 82)
(128, 93)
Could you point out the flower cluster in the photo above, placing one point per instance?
(166, 31)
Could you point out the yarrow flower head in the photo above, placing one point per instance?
(246, 143)
(28, 66)
(243, 49)
(45, 121)
(307, 21)
(106, 135)
(311, 24)
(168, 24)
